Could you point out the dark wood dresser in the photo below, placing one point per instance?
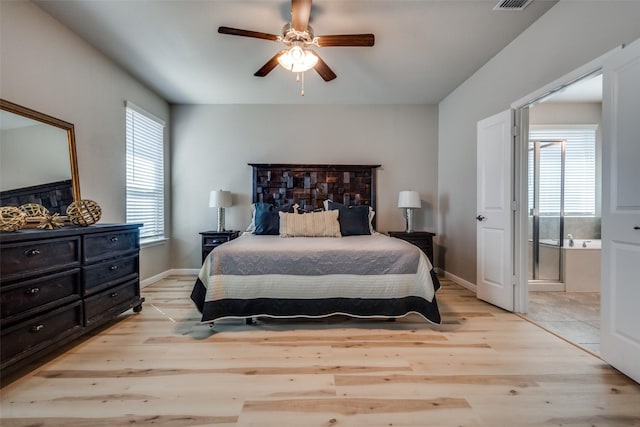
(422, 239)
(56, 285)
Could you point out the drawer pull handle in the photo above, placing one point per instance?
(113, 268)
(114, 294)
(37, 328)
(32, 252)
(32, 291)
(114, 239)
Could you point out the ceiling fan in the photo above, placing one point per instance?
(298, 36)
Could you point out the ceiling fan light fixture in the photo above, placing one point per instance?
(298, 60)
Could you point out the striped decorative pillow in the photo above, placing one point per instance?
(313, 224)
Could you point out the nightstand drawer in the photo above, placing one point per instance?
(118, 299)
(24, 297)
(27, 259)
(109, 273)
(422, 244)
(215, 241)
(421, 239)
(40, 332)
(109, 245)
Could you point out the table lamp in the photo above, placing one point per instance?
(409, 200)
(220, 199)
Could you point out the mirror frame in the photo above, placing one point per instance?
(68, 127)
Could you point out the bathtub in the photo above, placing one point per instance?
(581, 265)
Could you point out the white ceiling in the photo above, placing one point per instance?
(424, 48)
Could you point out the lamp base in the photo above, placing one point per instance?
(220, 220)
(409, 217)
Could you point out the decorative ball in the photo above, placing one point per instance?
(84, 212)
(51, 222)
(11, 218)
(34, 210)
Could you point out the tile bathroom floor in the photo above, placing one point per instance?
(574, 316)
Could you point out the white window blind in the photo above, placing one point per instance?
(579, 173)
(145, 172)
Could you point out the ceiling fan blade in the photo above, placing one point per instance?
(323, 69)
(347, 40)
(270, 65)
(300, 13)
(247, 33)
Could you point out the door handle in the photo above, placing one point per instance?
(480, 218)
(636, 227)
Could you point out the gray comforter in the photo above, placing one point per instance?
(362, 276)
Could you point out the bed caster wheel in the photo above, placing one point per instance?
(249, 321)
(137, 308)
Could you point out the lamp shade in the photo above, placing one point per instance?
(409, 199)
(220, 199)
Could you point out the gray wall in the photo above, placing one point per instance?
(49, 69)
(570, 35)
(420, 148)
(213, 144)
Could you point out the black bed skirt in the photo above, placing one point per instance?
(356, 307)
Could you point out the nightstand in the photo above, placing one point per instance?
(213, 239)
(422, 239)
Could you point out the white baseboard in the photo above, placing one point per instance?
(184, 272)
(173, 272)
(460, 281)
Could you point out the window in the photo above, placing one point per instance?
(145, 172)
(579, 169)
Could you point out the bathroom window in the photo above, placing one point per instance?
(579, 170)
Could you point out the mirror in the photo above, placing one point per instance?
(38, 161)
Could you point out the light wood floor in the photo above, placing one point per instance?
(482, 367)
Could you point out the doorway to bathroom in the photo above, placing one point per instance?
(564, 191)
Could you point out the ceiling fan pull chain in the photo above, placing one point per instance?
(302, 90)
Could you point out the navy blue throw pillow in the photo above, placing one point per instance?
(354, 220)
(267, 219)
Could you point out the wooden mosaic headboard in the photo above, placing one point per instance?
(310, 185)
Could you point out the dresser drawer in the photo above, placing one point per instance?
(24, 298)
(28, 259)
(106, 274)
(40, 332)
(117, 299)
(97, 247)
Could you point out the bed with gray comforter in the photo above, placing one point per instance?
(361, 276)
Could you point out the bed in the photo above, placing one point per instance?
(315, 264)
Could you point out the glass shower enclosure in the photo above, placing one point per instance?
(546, 163)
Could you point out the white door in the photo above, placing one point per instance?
(620, 298)
(494, 276)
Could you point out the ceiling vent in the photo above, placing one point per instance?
(512, 4)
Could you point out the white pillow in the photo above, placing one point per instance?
(312, 224)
